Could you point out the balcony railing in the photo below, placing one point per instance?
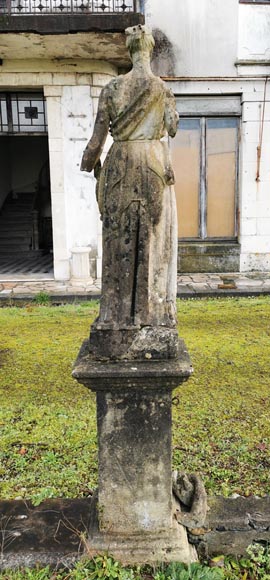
(26, 7)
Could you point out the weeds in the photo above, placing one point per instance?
(42, 299)
(255, 566)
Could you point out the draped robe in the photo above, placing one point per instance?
(137, 203)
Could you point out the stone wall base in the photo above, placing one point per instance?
(54, 532)
(208, 257)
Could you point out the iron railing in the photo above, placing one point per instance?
(26, 7)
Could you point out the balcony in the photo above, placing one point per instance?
(86, 7)
(64, 29)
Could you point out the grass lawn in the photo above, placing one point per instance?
(221, 425)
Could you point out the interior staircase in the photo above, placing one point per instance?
(16, 223)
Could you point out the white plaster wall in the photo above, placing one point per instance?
(203, 34)
(79, 187)
(254, 32)
(255, 195)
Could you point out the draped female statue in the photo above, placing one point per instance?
(137, 206)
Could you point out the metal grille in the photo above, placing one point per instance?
(3, 114)
(23, 113)
(67, 6)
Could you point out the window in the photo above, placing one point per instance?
(205, 160)
(22, 113)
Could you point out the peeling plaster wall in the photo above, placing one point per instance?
(77, 120)
(203, 34)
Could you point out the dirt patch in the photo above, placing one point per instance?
(4, 355)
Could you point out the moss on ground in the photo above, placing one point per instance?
(221, 425)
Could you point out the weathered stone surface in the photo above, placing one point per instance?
(143, 374)
(137, 206)
(48, 534)
(134, 485)
(166, 545)
(232, 524)
(51, 532)
(133, 359)
(208, 257)
(232, 542)
(190, 491)
(241, 513)
(136, 511)
(134, 343)
(134, 429)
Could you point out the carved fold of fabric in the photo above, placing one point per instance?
(139, 170)
(143, 117)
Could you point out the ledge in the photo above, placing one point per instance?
(68, 23)
(254, 2)
(143, 374)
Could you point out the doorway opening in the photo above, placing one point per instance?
(26, 246)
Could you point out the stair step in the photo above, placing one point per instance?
(25, 253)
(16, 239)
(15, 218)
(15, 214)
(11, 205)
(25, 198)
(14, 250)
(19, 237)
(18, 230)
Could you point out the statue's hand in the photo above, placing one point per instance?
(85, 163)
(97, 170)
(169, 176)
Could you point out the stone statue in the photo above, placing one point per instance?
(137, 204)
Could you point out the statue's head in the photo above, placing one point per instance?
(139, 39)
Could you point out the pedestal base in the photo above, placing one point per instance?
(166, 546)
(135, 513)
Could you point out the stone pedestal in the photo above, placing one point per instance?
(80, 264)
(134, 515)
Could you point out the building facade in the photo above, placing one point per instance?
(217, 64)
(56, 55)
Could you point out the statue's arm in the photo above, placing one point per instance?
(171, 114)
(95, 146)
